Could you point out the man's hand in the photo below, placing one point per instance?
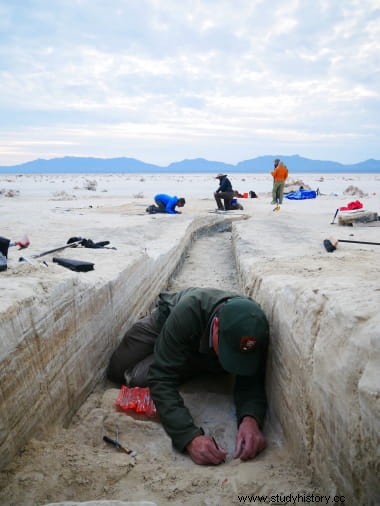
(204, 451)
(249, 440)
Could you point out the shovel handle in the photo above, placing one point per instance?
(117, 445)
(60, 248)
(360, 242)
(112, 442)
(333, 221)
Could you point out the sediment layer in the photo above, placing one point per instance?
(323, 382)
(56, 343)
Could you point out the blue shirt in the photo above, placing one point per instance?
(167, 202)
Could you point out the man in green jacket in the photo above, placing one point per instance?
(190, 332)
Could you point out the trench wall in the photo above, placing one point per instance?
(323, 381)
(55, 346)
(322, 375)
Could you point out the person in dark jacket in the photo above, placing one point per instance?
(224, 192)
(166, 204)
(190, 332)
(5, 243)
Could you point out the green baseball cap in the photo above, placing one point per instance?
(243, 336)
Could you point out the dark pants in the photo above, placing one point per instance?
(131, 360)
(4, 245)
(160, 206)
(278, 192)
(227, 197)
(136, 347)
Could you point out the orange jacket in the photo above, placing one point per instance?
(280, 173)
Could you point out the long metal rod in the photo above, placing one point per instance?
(72, 244)
(359, 242)
(76, 243)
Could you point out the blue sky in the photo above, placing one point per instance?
(165, 80)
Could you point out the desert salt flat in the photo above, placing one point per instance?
(188, 185)
(58, 328)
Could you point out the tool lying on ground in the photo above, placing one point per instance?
(74, 265)
(73, 242)
(60, 248)
(117, 445)
(332, 243)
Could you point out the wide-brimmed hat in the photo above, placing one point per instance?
(243, 336)
(220, 175)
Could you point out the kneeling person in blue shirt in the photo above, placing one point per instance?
(166, 204)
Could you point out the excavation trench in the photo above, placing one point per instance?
(71, 462)
(57, 406)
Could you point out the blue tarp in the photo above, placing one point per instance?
(301, 195)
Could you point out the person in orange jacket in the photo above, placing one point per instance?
(279, 173)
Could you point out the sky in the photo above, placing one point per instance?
(168, 80)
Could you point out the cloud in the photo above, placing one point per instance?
(171, 80)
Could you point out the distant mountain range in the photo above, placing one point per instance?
(261, 164)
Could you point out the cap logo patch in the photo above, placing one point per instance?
(247, 343)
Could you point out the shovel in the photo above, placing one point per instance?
(60, 248)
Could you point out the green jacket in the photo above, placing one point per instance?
(185, 336)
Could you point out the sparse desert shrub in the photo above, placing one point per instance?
(295, 184)
(9, 193)
(63, 196)
(354, 190)
(90, 184)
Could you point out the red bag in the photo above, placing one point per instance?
(351, 206)
(136, 399)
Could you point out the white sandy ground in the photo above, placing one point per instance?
(75, 186)
(72, 463)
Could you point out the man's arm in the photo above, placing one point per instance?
(171, 353)
(251, 404)
(250, 397)
(170, 206)
(173, 347)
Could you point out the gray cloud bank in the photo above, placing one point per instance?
(166, 80)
